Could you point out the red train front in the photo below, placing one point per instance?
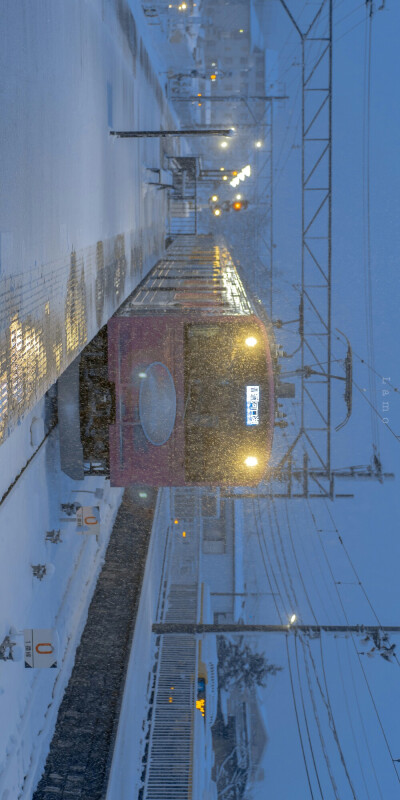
(191, 364)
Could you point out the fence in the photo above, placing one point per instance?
(168, 757)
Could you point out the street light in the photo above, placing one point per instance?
(224, 144)
(258, 144)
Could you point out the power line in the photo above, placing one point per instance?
(293, 599)
(298, 721)
(355, 647)
(306, 721)
(326, 700)
(351, 720)
(318, 722)
(265, 566)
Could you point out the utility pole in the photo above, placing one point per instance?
(199, 98)
(163, 134)
(200, 628)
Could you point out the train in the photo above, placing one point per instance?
(178, 388)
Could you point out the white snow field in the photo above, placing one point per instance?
(79, 223)
(79, 227)
(29, 699)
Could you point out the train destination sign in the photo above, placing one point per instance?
(252, 403)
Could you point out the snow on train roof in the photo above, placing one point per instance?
(197, 272)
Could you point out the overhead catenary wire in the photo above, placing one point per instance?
(294, 601)
(326, 699)
(297, 719)
(354, 737)
(355, 696)
(305, 643)
(356, 650)
(318, 721)
(267, 572)
(280, 617)
(359, 581)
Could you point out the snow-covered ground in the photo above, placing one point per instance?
(79, 224)
(29, 699)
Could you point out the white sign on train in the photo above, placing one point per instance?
(41, 648)
(88, 519)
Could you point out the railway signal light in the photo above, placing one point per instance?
(239, 203)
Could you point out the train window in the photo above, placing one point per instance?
(226, 403)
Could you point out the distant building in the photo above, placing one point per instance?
(234, 61)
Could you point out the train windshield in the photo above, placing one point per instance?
(226, 414)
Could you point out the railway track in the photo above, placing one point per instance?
(80, 754)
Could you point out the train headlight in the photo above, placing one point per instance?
(251, 341)
(251, 461)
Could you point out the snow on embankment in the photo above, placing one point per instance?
(29, 699)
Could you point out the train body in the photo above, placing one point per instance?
(190, 372)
